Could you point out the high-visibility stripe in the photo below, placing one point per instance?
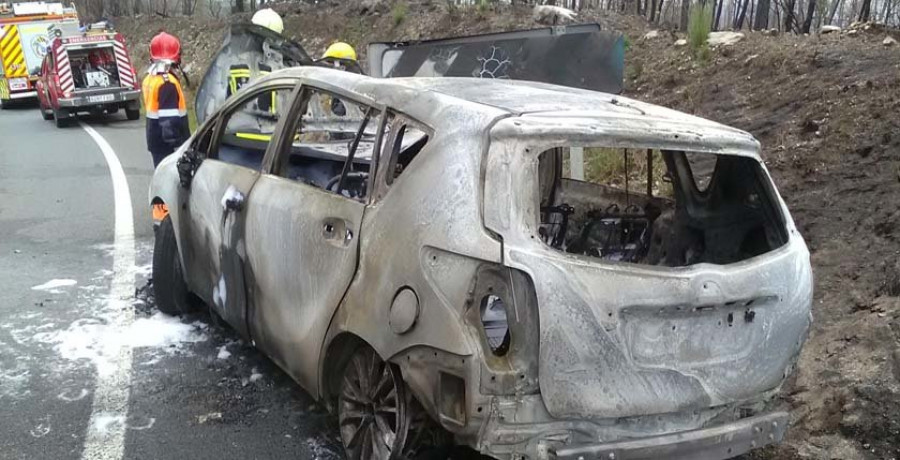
(171, 112)
(123, 62)
(160, 211)
(165, 113)
(254, 137)
(11, 52)
(64, 70)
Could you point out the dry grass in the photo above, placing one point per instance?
(607, 166)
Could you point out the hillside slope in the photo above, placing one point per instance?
(826, 111)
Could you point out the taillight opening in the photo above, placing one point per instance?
(495, 324)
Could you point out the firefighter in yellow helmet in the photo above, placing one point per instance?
(342, 56)
(340, 50)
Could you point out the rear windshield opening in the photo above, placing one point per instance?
(94, 68)
(664, 208)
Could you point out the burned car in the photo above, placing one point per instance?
(481, 258)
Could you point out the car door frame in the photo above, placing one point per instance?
(204, 263)
(301, 361)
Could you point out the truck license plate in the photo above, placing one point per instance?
(101, 98)
(18, 84)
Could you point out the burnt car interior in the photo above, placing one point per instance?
(333, 140)
(663, 208)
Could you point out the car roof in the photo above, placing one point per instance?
(517, 97)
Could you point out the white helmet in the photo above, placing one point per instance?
(269, 19)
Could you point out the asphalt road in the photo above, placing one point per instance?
(195, 390)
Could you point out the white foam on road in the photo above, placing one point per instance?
(53, 284)
(111, 394)
(101, 343)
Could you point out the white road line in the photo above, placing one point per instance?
(106, 431)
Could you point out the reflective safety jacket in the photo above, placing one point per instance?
(167, 121)
(241, 74)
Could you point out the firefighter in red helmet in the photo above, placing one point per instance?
(164, 103)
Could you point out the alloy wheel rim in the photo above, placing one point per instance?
(371, 408)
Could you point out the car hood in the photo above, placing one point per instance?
(581, 56)
(251, 45)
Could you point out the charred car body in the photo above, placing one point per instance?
(452, 255)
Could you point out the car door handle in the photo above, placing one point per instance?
(337, 231)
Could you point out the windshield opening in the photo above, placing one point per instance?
(664, 208)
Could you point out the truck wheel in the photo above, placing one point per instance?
(169, 287)
(133, 114)
(62, 120)
(3, 104)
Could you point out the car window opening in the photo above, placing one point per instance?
(649, 207)
(250, 127)
(405, 142)
(332, 146)
(350, 174)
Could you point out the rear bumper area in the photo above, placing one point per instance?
(93, 99)
(23, 95)
(715, 443)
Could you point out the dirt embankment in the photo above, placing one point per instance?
(827, 111)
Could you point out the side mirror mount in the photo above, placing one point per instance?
(187, 166)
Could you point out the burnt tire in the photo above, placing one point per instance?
(373, 409)
(133, 114)
(169, 288)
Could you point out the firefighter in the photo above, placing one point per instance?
(167, 122)
(241, 74)
(341, 56)
(269, 19)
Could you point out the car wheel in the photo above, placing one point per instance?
(169, 288)
(133, 114)
(373, 408)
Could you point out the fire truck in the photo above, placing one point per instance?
(88, 72)
(26, 30)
